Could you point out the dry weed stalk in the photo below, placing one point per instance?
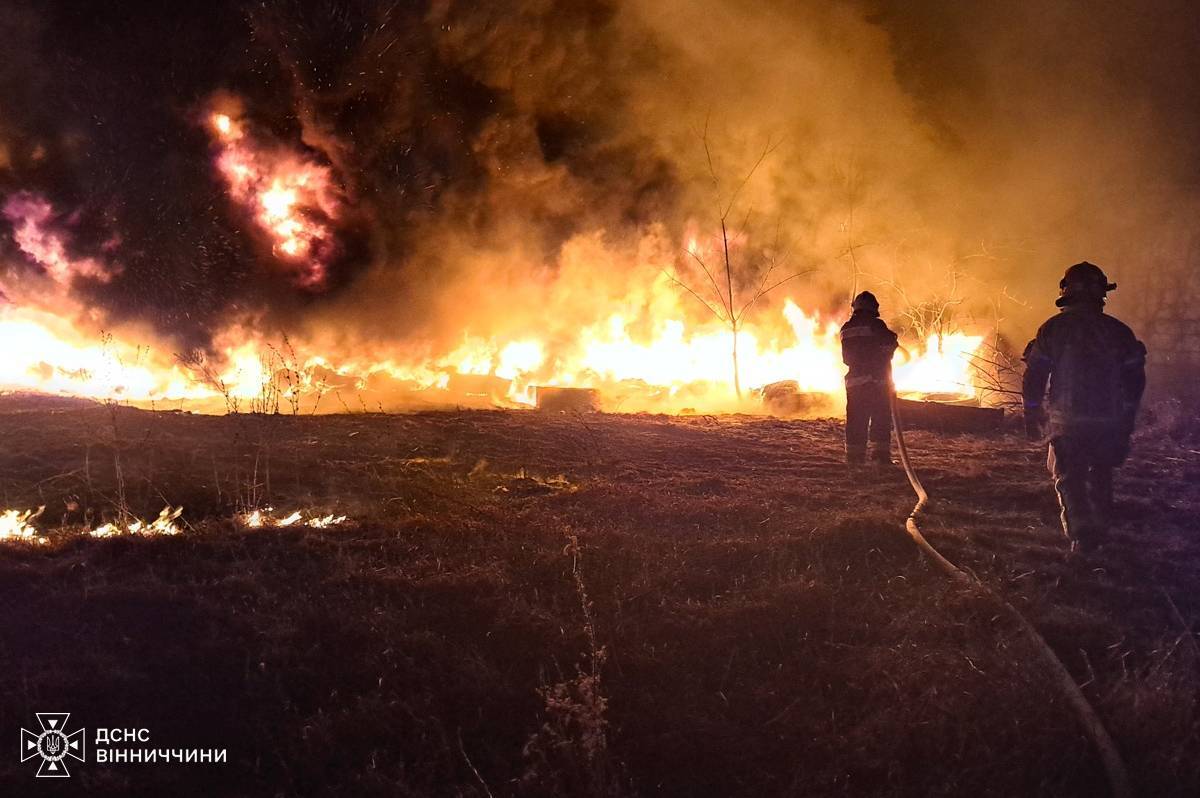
(569, 754)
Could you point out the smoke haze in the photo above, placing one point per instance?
(532, 165)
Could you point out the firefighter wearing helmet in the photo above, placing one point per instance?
(867, 349)
(1095, 369)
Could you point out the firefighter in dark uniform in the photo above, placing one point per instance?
(867, 349)
(1095, 368)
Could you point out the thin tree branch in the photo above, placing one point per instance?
(699, 298)
(711, 280)
(708, 155)
(733, 197)
(766, 291)
(728, 276)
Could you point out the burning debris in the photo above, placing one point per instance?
(566, 400)
(784, 398)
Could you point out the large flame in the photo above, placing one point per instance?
(670, 367)
(291, 197)
(647, 350)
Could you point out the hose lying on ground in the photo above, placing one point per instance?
(1114, 766)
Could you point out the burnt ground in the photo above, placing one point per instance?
(547, 604)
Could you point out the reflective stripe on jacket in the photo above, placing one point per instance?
(867, 349)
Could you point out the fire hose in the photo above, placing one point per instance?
(1093, 726)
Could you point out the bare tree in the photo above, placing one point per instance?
(995, 367)
(729, 292)
(933, 316)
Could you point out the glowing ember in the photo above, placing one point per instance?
(163, 525)
(292, 198)
(15, 526)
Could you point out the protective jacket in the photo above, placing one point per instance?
(1095, 368)
(867, 349)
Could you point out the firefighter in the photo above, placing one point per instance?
(867, 349)
(1096, 370)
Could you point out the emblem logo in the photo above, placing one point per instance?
(53, 744)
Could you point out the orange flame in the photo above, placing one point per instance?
(643, 350)
(293, 199)
(670, 367)
(15, 526)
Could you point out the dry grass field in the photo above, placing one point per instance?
(533, 604)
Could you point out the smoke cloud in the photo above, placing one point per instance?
(530, 166)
